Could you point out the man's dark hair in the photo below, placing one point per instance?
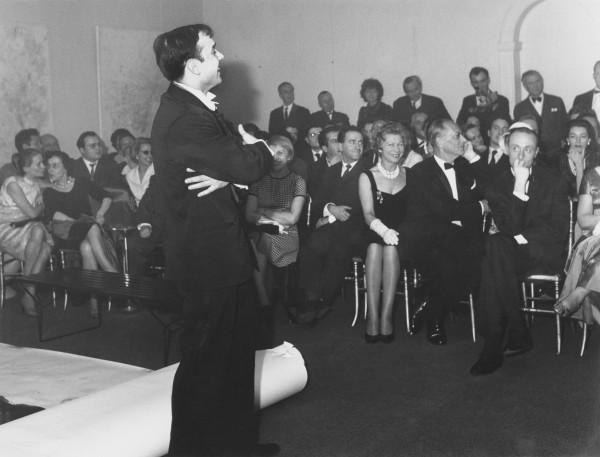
(285, 83)
(24, 159)
(81, 140)
(323, 92)
(23, 137)
(478, 70)
(344, 130)
(411, 79)
(325, 131)
(173, 49)
(500, 116)
(117, 135)
(371, 83)
(530, 73)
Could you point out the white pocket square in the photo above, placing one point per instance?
(474, 185)
(553, 110)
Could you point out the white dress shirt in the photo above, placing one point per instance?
(538, 105)
(345, 170)
(207, 98)
(138, 187)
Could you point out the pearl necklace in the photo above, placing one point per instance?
(388, 174)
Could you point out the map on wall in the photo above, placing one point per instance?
(24, 83)
(130, 82)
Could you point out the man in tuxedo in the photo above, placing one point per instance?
(207, 250)
(94, 166)
(416, 101)
(327, 115)
(442, 231)
(289, 115)
(495, 156)
(325, 256)
(484, 103)
(550, 112)
(418, 125)
(590, 99)
(530, 208)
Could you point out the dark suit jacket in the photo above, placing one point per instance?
(431, 207)
(494, 168)
(151, 209)
(552, 122)
(321, 119)
(366, 114)
(543, 220)
(298, 117)
(469, 108)
(432, 106)
(205, 243)
(342, 190)
(106, 174)
(584, 100)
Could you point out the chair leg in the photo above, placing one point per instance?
(532, 304)
(472, 310)
(583, 339)
(356, 304)
(406, 300)
(558, 330)
(364, 273)
(2, 280)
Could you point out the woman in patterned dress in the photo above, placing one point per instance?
(581, 288)
(22, 235)
(383, 199)
(277, 198)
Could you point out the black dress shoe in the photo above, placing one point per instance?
(387, 339)
(436, 334)
(510, 350)
(418, 318)
(486, 364)
(372, 338)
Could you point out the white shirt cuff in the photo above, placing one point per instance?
(521, 196)
(330, 217)
(472, 158)
(520, 239)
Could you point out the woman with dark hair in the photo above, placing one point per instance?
(123, 141)
(581, 153)
(383, 199)
(22, 236)
(70, 216)
(371, 91)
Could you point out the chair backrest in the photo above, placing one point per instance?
(572, 222)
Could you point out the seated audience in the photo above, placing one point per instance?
(484, 103)
(443, 226)
(327, 115)
(473, 135)
(383, 200)
(278, 197)
(592, 119)
(409, 156)
(24, 139)
(290, 117)
(49, 143)
(138, 178)
(530, 209)
(22, 235)
(550, 112)
(325, 256)
(416, 101)
(93, 166)
(495, 156)
(579, 155)
(72, 223)
(418, 126)
(369, 156)
(371, 91)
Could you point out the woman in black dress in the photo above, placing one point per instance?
(68, 209)
(382, 196)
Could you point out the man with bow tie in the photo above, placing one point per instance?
(530, 207)
(327, 115)
(590, 100)
(207, 252)
(550, 113)
(443, 228)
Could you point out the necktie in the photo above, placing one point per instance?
(330, 115)
(413, 104)
(285, 113)
(493, 156)
(447, 165)
(347, 169)
(537, 99)
(316, 156)
(92, 170)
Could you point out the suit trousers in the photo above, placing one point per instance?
(451, 269)
(505, 262)
(213, 390)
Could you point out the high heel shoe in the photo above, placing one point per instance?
(387, 338)
(372, 338)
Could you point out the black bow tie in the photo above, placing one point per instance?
(536, 99)
(447, 165)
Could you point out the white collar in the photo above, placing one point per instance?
(290, 106)
(206, 98)
(441, 163)
(541, 96)
(89, 163)
(345, 164)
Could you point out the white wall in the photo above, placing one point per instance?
(561, 39)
